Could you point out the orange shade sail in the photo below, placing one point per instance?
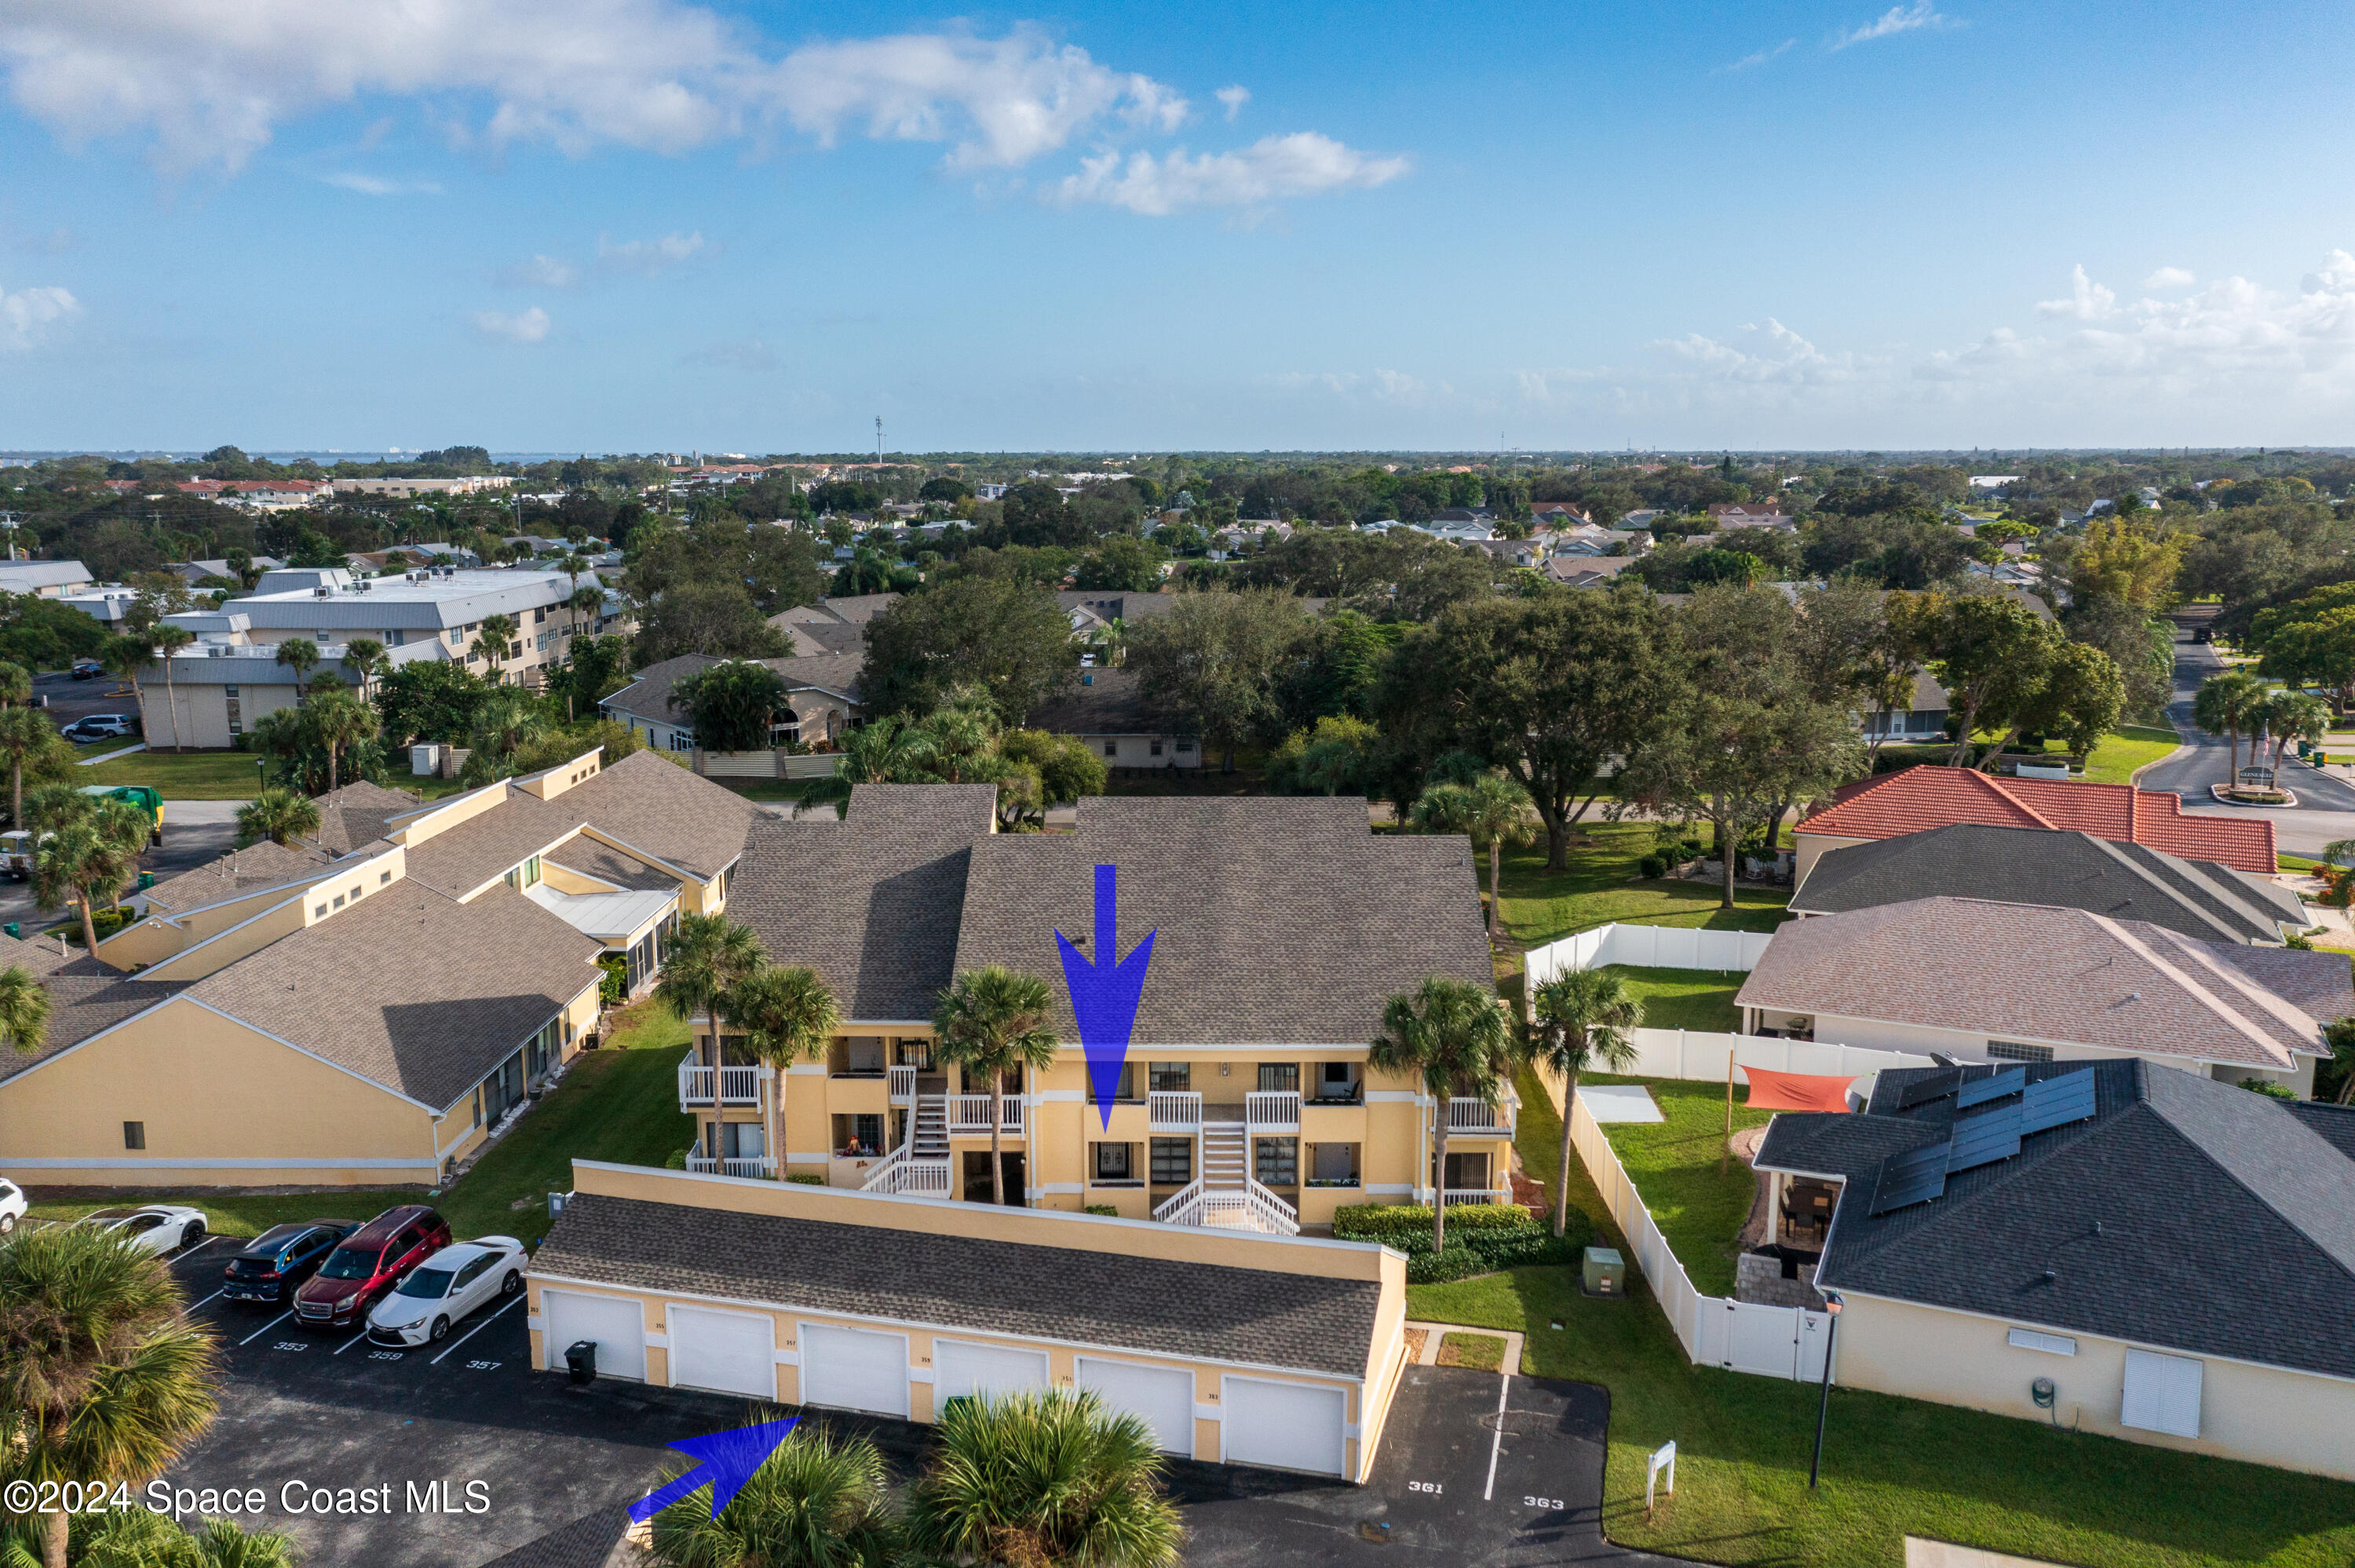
(1797, 1091)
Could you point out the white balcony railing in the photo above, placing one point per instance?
(1272, 1110)
(903, 1086)
(1454, 1195)
(740, 1085)
(904, 1173)
(1466, 1114)
(1174, 1110)
(733, 1164)
(701, 1085)
(970, 1114)
(697, 1085)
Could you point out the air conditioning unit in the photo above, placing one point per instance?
(323, 591)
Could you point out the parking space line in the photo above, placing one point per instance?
(359, 1332)
(267, 1327)
(214, 1297)
(192, 1252)
(478, 1329)
(1498, 1441)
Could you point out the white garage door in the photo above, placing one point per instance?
(1283, 1426)
(1163, 1396)
(728, 1352)
(851, 1369)
(619, 1328)
(961, 1368)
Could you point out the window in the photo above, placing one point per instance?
(1170, 1077)
(1333, 1162)
(1112, 748)
(382, 877)
(134, 1135)
(1467, 1173)
(340, 901)
(1157, 747)
(1276, 1162)
(319, 913)
(539, 616)
(1173, 1161)
(1113, 1161)
(1184, 746)
(1279, 1077)
(2006, 1051)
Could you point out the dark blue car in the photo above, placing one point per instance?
(281, 1258)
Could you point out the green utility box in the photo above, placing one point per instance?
(1606, 1271)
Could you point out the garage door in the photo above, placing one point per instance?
(1163, 1396)
(1283, 1426)
(852, 1369)
(728, 1352)
(618, 1326)
(961, 1368)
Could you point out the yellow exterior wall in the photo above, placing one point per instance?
(555, 782)
(2267, 1415)
(257, 932)
(1812, 847)
(237, 1108)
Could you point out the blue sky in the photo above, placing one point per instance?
(650, 223)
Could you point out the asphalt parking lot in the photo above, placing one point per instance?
(484, 1457)
(196, 833)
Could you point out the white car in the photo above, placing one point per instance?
(445, 1287)
(12, 1206)
(157, 1228)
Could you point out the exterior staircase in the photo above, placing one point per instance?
(921, 1164)
(1224, 1193)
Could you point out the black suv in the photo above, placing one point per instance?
(282, 1257)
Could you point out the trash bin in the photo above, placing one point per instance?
(582, 1358)
(15, 929)
(1606, 1271)
(146, 880)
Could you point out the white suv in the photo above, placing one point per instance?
(13, 1205)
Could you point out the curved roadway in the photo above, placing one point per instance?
(2326, 809)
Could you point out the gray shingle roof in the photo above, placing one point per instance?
(1100, 1299)
(869, 901)
(654, 693)
(1113, 605)
(457, 860)
(592, 858)
(85, 997)
(653, 805)
(1102, 702)
(263, 865)
(2063, 870)
(2188, 1214)
(2021, 970)
(356, 813)
(409, 989)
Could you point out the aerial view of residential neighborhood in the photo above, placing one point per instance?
(848, 788)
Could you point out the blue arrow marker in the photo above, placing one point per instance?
(724, 1461)
(1105, 993)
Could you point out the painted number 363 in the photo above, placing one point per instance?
(1554, 1503)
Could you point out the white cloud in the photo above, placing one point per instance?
(647, 258)
(26, 314)
(2169, 278)
(368, 184)
(1233, 99)
(524, 326)
(1301, 164)
(2087, 300)
(1760, 59)
(1896, 19)
(541, 272)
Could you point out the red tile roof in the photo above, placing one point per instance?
(1921, 797)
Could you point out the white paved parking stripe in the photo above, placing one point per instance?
(199, 1247)
(1498, 1441)
(267, 1327)
(478, 1329)
(214, 1297)
(359, 1332)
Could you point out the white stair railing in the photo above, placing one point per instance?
(903, 1084)
(1182, 1207)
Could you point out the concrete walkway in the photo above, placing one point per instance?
(111, 756)
(1434, 1332)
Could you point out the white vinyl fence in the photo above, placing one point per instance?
(1739, 1336)
(1648, 947)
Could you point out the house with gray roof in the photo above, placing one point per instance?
(2110, 1247)
(821, 699)
(1106, 709)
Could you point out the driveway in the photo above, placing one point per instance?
(1456, 1483)
(2326, 809)
(196, 833)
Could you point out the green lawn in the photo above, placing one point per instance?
(1601, 886)
(1698, 1206)
(1891, 1467)
(184, 775)
(1684, 998)
(2113, 761)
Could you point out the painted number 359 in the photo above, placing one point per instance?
(1555, 1503)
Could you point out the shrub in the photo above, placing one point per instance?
(678, 1160)
(1104, 1209)
(1654, 865)
(2269, 1087)
(613, 988)
(1481, 1237)
(806, 1178)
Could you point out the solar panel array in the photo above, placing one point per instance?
(2057, 1101)
(1920, 1175)
(1994, 1086)
(1984, 1139)
(1915, 1177)
(1922, 1091)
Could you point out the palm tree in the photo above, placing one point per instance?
(1049, 1479)
(366, 656)
(281, 816)
(1494, 811)
(992, 1023)
(301, 655)
(785, 1014)
(2290, 715)
(94, 853)
(586, 602)
(816, 1501)
(2228, 705)
(1453, 1036)
(889, 750)
(134, 1537)
(705, 957)
(127, 656)
(109, 1378)
(338, 718)
(16, 685)
(24, 1011)
(962, 731)
(170, 640)
(1582, 1018)
(490, 639)
(31, 745)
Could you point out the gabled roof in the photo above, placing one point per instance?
(653, 805)
(85, 997)
(2185, 1214)
(2024, 972)
(2035, 865)
(1101, 701)
(1915, 799)
(356, 814)
(1115, 604)
(653, 695)
(260, 866)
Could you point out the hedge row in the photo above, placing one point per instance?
(1481, 1238)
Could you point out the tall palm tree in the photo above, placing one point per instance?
(1495, 813)
(107, 1375)
(706, 955)
(1049, 1479)
(301, 655)
(962, 732)
(127, 656)
(91, 856)
(1581, 1017)
(2228, 705)
(16, 685)
(1453, 1036)
(134, 1537)
(366, 656)
(170, 640)
(892, 749)
(490, 639)
(785, 1014)
(585, 602)
(2290, 715)
(816, 1501)
(281, 816)
(24, 1011)
(992, 1023)
(338, 719)
(30, 744)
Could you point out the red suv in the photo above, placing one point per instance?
(369, 1264)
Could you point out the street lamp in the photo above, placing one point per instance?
(1832, 1304)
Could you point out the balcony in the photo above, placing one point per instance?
(1174, 1110)
(1454, 1195)
(1468, 1115)
(731, 1085)
(969, 1116)
(903, 1086)
(734, 1164)
(1272, 1111)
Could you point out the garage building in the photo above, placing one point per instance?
(1234, 1347)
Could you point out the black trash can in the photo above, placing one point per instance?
(583, 1360)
